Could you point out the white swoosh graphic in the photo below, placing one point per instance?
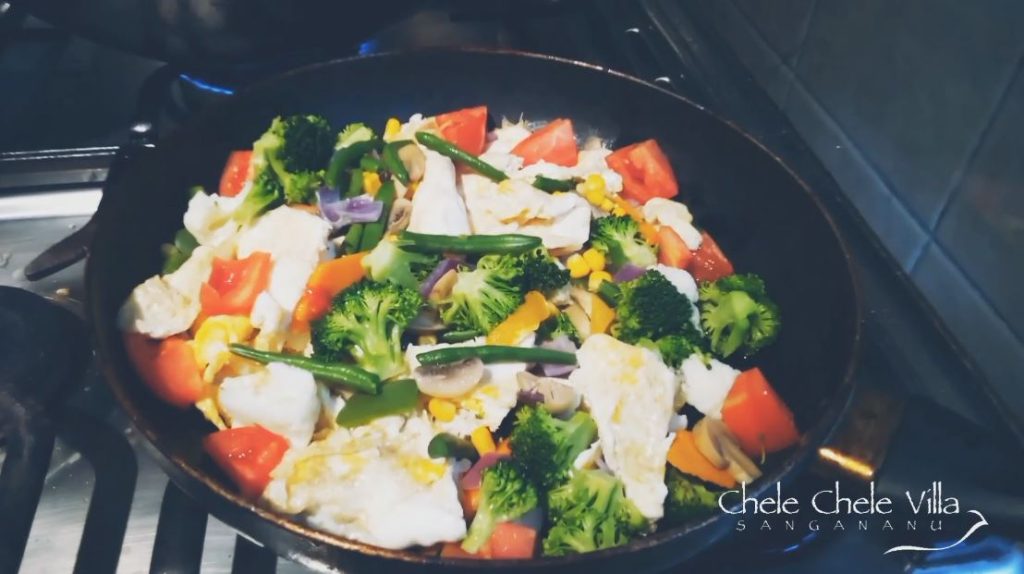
(981, 522)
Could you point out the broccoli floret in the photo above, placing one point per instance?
(388, 262)
(618, 237)
(505, 494)
(541, 272)
(482, 297)
(266, 193)
(557, 326)
(366, 322)
(546, 446)
(687, 499)
(353, 133)
(591, 512)
(738, 315)
(676, 348)
(297, 149)
(650, 307)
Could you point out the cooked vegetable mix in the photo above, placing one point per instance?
(491, 359)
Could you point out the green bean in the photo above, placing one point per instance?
(355, 183)
(345, 158)
(610, 292)
(329, 372)
(395, 398)
(369, 163)
(459, 336)
(468, 244)
(446, 445)
(393, 163)
(374, 232)
(497, 354)
(448, 149)
(550, 184)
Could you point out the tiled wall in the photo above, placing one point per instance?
(917, 108)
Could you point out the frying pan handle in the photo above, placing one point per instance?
(907, 444)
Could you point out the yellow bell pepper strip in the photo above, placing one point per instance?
(601, 316)
(327, 280)
(395, 398)
(648, 230)
(525, 319)
(482, 440)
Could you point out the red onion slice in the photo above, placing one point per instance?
(341, 212)
(561, 343)
(474, 475)
(443, 266)
(628, 272)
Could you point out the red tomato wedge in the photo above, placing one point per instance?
(708, 262)
(465, 128)
(757, 415)
(247, 455)
(554, 143)
(235, 173)
(234, 284)
(512, 540)
(672, 250)
(454, 550)
(646, 172)
(168, 368)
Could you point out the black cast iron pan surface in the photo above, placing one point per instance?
(764, 218)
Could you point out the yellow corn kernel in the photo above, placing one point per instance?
(596, 278)
(594, 182)
(491, 391)
(595, 259)
(391, 128)
(594, 196)
(371, 183)
(618, 211)
(482, 440)
(578, 266)
(424, 470)
(607, 205)
(441, 409)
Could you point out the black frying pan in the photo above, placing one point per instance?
(765, 219)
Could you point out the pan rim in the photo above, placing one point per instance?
(812, 438)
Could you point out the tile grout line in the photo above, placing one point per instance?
(758, 37)
(979, 140)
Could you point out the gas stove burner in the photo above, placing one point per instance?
(43, 347)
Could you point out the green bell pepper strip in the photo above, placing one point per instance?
(393, 163)
(335, 374)
(454, 152)
(374, 232)
(447, 445)
(395, 398)
(496, 354)
(346, 158)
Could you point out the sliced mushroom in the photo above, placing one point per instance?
(451, 380)
(584, 298)
(719, 446)
(579, 319)
(414, 160)
(401, 213)
(443, 288)
(558, 397)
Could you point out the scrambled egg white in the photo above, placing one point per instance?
(630, 394)
(489, 402)
(166, 305)
(280, 398)
(676, 216)
(296, 241)
(706, 386)
(209, 219)
(374, 484)
(514, 206)
(437, 206)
